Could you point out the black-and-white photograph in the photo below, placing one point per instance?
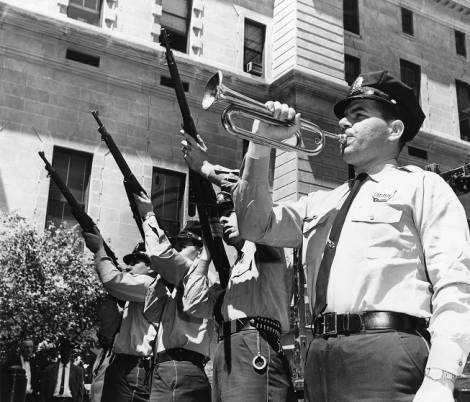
(234, 201)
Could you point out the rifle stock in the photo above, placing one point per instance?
(79, 214)
(203, 190)
(131, 184)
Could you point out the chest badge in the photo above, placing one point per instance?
(382, 197)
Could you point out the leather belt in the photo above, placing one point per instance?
(262, 324)
(332, 324)
(268, 329)
(180, 354)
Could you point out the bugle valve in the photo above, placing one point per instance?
(241, 105)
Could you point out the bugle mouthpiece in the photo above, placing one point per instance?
(342, 138)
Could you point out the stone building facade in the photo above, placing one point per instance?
(62, 58)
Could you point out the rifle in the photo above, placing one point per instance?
(86, 224)
(131, 184)
(78, 212)
(204, 193)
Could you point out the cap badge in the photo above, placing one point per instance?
(357, 84)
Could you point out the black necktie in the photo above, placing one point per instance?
(321, 285)
(61, 391)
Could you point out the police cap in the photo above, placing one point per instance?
(384, 87)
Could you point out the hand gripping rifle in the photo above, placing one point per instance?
(78, 212)
(131, 184)
(87, 224)
(203, 190)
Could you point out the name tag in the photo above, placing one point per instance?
(382, 197)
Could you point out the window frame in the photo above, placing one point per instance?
(460, 43)
(263, 27)
(175, 45)
(358, 65)
(351, 15)
(80, 13)
(86, 180)
(466, 117)
(406, 12)
(406, 64)
(163, 221)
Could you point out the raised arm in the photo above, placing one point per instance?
(122, 285)
(164, 259)
(200, 297)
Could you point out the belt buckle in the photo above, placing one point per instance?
(330, 324)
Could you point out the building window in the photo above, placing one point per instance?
(407, 21)
(253, 47)
(352, 68)
(176, 17)
(351, 16)
(88, 11)
(411, 76)
(463, 105)
(460, 46)
(74, 169)
(167, 198)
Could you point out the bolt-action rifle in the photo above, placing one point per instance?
(78, 212)
(203, 191)
(131, 184)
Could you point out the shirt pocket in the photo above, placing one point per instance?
(380, 226)
(313, 223)
(380, 213)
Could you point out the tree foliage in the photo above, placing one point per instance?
(47, 284)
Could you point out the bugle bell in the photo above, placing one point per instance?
(241, 105)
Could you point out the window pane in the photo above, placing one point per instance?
(167, 198)
(88, 11)
(460, 45)
(91, 4)
(253, 43)
(74, 169)
(411, 76)
(176, 23)
(407, 21)
(463, 104)
(351, 15)
(352, 68)
(175, 19)
(176, 7)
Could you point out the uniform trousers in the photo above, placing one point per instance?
(236, 380)
(369, 366)
(179, 381)
(125, 380)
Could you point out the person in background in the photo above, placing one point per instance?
(62, 381)
(27, 361)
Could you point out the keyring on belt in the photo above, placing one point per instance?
(259, 361)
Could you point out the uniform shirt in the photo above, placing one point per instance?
(257, 287)
(66, 391)
(404, 247)
(163, 305)
(27, 368)
(135, 333)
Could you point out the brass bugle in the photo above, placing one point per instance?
(241, 105)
